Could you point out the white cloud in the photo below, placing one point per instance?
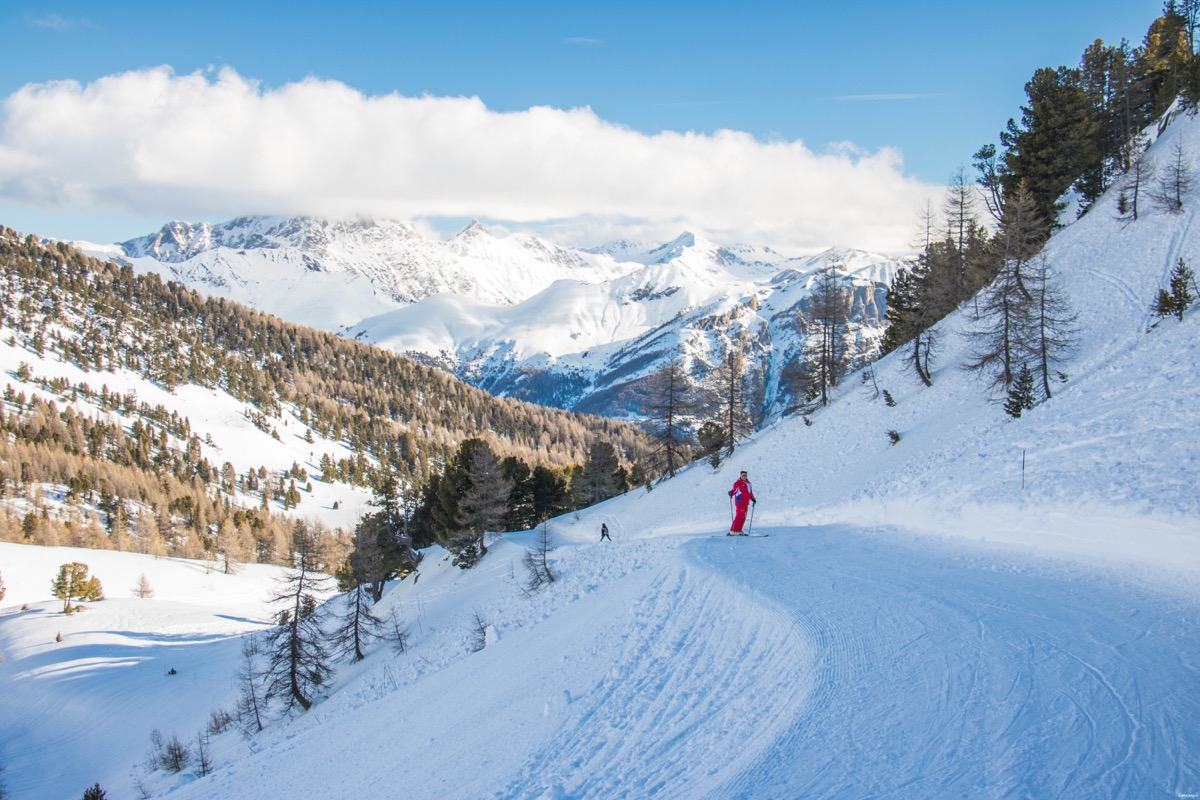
(219, 144)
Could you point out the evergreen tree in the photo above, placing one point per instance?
(602, 476)
(549, 492)
(482, 506)
(73, 583)
(298, 656)
(94, 793)
(1020, 394)
(1056, 143)
(519, 512)
(1175, 300)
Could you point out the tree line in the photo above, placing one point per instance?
(1081, 133)
(145, 483)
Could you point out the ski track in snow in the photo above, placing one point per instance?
(946, 675)
(820, 662)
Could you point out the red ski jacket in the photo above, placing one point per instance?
(741, 492)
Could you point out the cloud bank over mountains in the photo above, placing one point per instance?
(216, 143)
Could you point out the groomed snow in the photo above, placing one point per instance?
(927, 619)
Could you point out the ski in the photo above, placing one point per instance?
(739, 536)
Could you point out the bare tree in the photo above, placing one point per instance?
(827, 354)
(1175, 180)
(356, 626)
(668, 403)
(1135, 181)
(536, 560)
(1054, 324)
(726, 388)
(251, 705)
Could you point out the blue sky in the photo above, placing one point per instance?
(827, 91)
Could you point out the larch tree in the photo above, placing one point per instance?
(827, 353)
(1005, 319)
(1054, 331)
(298, 658)
(666, 407)
(726, 388)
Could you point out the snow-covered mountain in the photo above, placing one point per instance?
(981, 606)
(331, 274)
(589, 346)
(519, 316)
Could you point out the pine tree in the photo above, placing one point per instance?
(73, 583)
(602, 476)
(94, 793)
(549, 493)
(1176, 300)
(482, 505)
(1020, 394)
(1056, 143)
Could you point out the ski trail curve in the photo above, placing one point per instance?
(682, 705)
(948, 673)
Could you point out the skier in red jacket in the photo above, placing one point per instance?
(742, 496)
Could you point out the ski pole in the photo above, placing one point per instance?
(753, 503)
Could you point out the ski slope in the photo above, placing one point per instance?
(990, 607)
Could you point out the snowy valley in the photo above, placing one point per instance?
(979, 606)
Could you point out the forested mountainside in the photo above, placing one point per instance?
(139, 474)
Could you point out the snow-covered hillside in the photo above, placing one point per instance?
(990, 607)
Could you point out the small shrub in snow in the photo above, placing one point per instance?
(170, 755)
(142, 589)
(893, 436)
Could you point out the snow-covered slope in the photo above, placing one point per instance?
(991, 607)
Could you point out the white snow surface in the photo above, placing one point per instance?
(991, 607)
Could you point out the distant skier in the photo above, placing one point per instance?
(742, 496)
(604, 532)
